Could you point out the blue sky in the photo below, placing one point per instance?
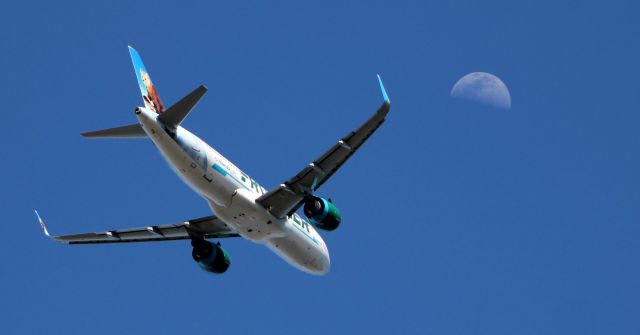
(457, 218)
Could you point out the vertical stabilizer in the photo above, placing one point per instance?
(148, 90)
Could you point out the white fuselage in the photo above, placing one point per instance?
(231, 195)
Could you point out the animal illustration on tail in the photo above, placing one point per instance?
(151, 99)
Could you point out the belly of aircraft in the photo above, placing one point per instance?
(238, 209)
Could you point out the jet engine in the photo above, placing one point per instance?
(322, 213)
(210, 257)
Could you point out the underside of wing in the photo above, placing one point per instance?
(287, 198)
(205, 227)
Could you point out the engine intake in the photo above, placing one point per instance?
(210, 257)
(322, 213)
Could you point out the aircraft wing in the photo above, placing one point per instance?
(205, 227)
(287, 198)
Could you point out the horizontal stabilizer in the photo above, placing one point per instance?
(129, 131)
(179, 111)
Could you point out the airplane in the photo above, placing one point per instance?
(241, 207)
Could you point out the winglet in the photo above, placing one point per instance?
(42, 225)
(384, 92)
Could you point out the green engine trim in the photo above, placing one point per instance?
(329, 218)
(218, 261)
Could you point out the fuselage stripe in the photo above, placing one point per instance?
(220, 169)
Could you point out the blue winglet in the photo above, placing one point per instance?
(384, 92)
(41, 222)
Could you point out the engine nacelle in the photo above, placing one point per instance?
(322, 213)
(210, 257)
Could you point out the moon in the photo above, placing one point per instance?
(484, 88)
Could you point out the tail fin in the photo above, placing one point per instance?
(148, 90)
(171, 116)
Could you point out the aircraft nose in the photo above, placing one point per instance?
(320, 266)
